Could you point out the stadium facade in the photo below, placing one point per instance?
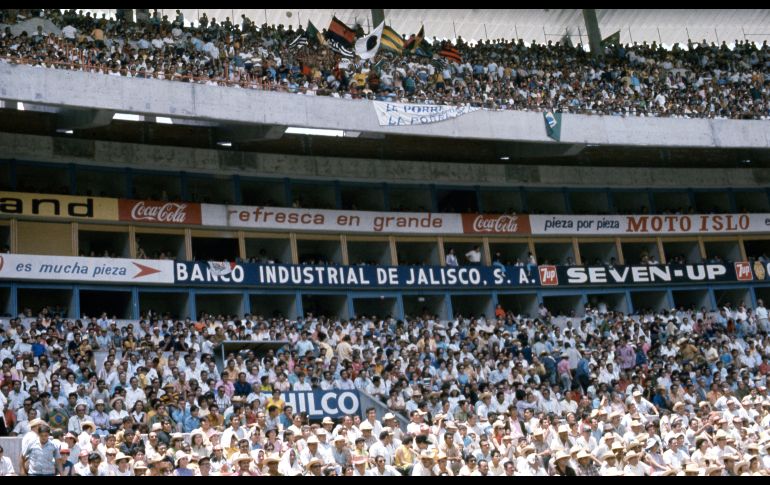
(345, 209)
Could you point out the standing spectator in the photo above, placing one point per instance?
(451, 258)
(6, 466)
(42, 456)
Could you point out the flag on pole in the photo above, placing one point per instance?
(368, 45)
(313, 35)
(391, 41)
(614, 39)
(553, 125)
(300, 41)
(450, 52)
(341, 33)
(340, 49)
(415, 40)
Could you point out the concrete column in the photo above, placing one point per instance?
(132, 249)
(188, 249)
(378, 15)
(242, 245)
(742, 248)
(486, 251)
(75, 243)
(619, 249)
(594, 34)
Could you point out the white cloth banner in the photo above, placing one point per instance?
(398, 114)
(658, 225)
(323, 220)
(90, 270)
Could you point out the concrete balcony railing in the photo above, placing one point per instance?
(81, 90)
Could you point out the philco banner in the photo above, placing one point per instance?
(646, 274)
(320, 404)
(104, 270)
(287, 218)
(398, 114)
(159, 212)
(21, 204)
(649, 224)
(355, 277)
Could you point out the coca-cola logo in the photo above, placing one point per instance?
(500, 223)
(160, 212)
(170, 212)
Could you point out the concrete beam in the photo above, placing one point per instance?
(77, 119)
(72, 89)
(551, 150)
(245, 134)
(253, 164)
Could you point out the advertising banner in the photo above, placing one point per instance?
(88, 270)
(646, 274)
(495, 224)
(354, 277)
(156, 212)
(287, 218)
(20, 204)
(320, 404)
(402, 114)
(649, 225)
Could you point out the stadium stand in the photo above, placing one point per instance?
(703, 81)
(188, 323)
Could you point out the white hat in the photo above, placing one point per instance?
(312, 439)
(365, 426)
(386, 417)
(583, 454)
(177, 456)
(245, 457)
(272, 458)
(561, 455)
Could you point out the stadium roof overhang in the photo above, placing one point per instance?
(666, 26)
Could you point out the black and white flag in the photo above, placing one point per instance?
(368, 45)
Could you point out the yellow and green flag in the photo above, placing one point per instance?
(391, 41)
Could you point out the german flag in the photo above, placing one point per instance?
(450, 52)
(391, 41)
(415, 41)
(341, 33)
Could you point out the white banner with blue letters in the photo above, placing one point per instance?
(400, 114)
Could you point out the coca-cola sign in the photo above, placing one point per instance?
(155, 212)
(495, 224)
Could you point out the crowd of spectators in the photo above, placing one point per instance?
(669, 392)
(705, 80)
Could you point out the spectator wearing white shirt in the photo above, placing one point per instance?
(451, 258)
(474, 256)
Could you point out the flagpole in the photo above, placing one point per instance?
(455, 29)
